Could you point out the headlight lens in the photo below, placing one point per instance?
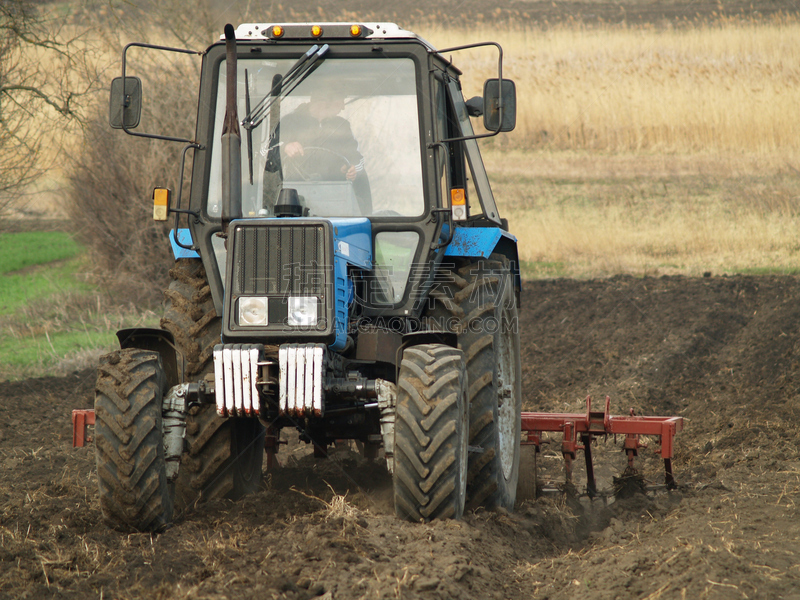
(252, 311)
(303, 311)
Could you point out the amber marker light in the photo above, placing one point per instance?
(160, 204)
(316, 31)
(277, 31)
(355, 30)
(458, 204)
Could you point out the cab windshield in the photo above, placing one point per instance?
(346, 139)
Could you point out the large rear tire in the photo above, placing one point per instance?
(431, 428)
(129, 448)
(223, 456)
(477, 300)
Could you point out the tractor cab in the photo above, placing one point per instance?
(348, 121)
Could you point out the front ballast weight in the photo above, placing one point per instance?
(295, 387)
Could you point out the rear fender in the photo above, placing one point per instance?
(482, 242)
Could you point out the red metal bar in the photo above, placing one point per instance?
(81, 418)
(575, 424)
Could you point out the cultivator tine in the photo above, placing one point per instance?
(669, 479)
(591, 484)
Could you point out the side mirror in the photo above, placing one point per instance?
(125, 107)
(491, 105)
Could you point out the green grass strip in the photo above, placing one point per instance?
(21, 250)
(23, 289)
(42, 349)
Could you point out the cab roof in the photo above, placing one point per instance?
(330, 31)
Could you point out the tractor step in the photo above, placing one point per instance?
(579, 429)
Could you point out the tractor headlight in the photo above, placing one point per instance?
(252, 311)
(303, 311)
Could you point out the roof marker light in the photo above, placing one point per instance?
(316, 31)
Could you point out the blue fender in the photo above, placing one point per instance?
(482, 242)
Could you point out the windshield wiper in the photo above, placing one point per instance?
(293, 77)
(249, 131)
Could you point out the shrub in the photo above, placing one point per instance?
(111, 179)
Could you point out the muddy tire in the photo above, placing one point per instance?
(129, 448)
(190, 317)
(477, 300)
(223, 456)
(431, 428)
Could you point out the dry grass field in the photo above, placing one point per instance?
(648, 150)
(639, 149)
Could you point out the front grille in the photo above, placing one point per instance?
(280, 260)
(277, 259)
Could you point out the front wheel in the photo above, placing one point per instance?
(131, 471)
(431, 431)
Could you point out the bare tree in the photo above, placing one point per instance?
(45, 76)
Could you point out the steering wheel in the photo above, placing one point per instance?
(316, 164)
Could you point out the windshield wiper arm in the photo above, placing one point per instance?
(249, 131)
(293, 77)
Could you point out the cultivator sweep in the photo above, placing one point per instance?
(579, 429)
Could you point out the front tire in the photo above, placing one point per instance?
(129, 448)
(430, 448)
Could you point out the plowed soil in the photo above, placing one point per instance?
(722, 352)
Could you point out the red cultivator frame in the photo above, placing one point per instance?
(591, 424)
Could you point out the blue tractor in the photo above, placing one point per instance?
(341, 270)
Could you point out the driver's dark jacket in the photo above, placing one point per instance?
(333, 134)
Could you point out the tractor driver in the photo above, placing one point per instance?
(318, 145)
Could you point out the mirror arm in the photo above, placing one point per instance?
(127, 99)
(500, 83)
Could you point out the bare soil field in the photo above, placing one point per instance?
(723, 352)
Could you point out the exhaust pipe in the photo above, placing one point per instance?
(231, 140)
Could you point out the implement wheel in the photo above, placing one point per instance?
(477, 301)
(430, 447)
(223, 456)
(129, 447)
